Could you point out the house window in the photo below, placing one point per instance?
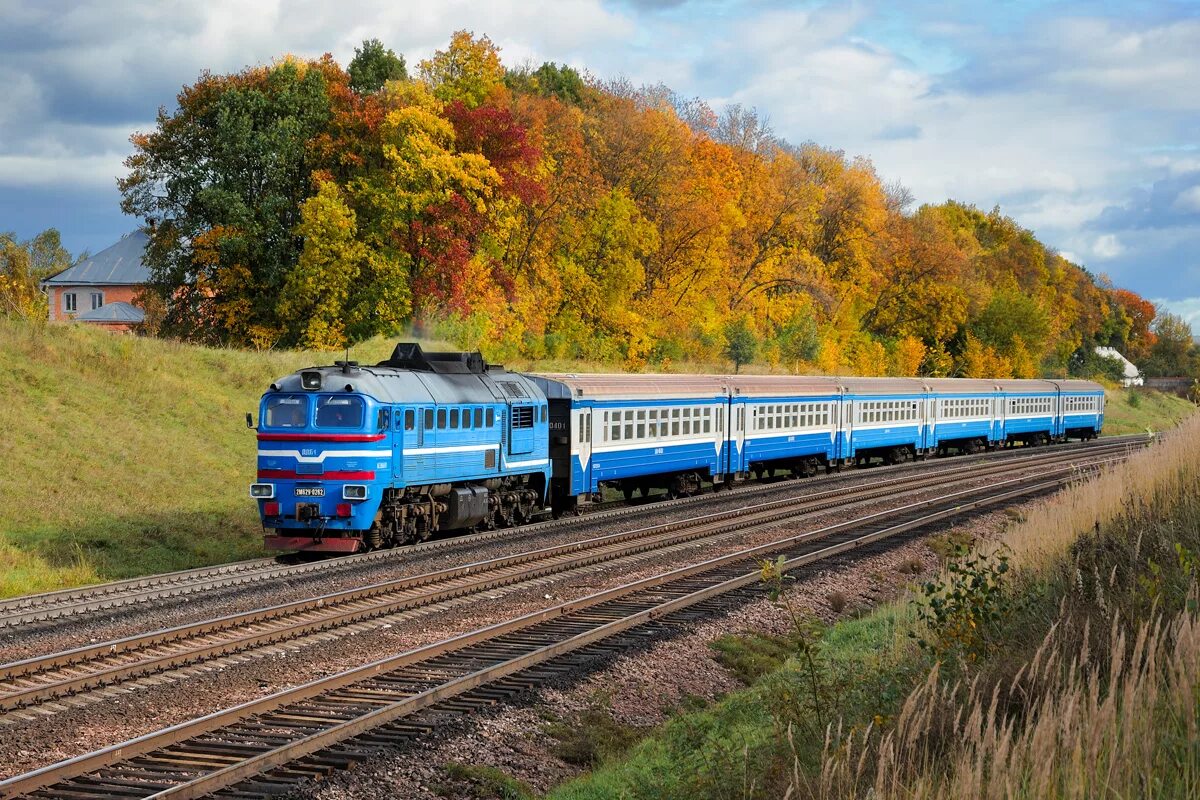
(97, 300)
(70, 303)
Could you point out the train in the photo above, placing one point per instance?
(354, 458)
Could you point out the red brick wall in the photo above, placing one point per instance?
(83, 298)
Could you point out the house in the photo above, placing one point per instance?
(114, 276)
(1132, 377)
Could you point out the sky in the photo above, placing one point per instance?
(1079, 119)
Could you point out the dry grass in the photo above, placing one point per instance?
(1148, 480)
(1106, 702)
(1119, 722)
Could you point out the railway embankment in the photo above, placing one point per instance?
(127, 456)
(1059, 653)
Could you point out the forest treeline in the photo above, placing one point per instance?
(540, 212)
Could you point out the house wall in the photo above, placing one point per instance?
(112, 294)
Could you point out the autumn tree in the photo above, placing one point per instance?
(1136, 336)
(19, 293)
(468, 70)
(419, 212)
(541, 212)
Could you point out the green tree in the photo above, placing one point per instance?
(741, 344)
(1173, 352)
(47, 256)
(220, 183)
(561, 81)
(374, 65)
(800, 339)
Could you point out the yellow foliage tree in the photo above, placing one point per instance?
(314, 301)
(908, 353)
(467, 71)
(979, 360)
(19, 293)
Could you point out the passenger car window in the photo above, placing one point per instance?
(340, 412)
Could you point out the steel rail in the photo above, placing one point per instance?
(115, 595)
(90, 667)
(353, 701)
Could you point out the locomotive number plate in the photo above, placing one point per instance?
(310, 491)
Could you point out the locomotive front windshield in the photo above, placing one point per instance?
(287, 411)
(340, 412)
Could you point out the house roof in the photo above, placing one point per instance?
(1131, 370)
(114, 312)
(120, 264)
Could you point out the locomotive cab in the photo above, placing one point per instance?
(323, 460)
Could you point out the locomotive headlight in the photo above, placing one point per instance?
(354, 491)
(262, 491)
(310, 380)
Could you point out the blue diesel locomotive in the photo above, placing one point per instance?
(355, 457)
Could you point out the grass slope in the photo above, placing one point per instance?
(1138, 410)
(124, 456)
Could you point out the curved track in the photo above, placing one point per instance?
(285, 738)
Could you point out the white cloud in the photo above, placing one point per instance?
(1107, 246)
(1188, 308)
(1188, 200)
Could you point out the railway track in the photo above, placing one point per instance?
(85, 669)
(281, 740)
(117, 595)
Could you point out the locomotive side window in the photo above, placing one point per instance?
(287, 412)
(479, 418)
(441, 419)
(340, 412)
(410, 419)
(454, 418)
(491, 417)
(429, 419)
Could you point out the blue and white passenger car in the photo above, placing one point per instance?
(883, 418)
(1080, 409)
(634, 433)
(1028, 413)
(962, 415)
(783, 423)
